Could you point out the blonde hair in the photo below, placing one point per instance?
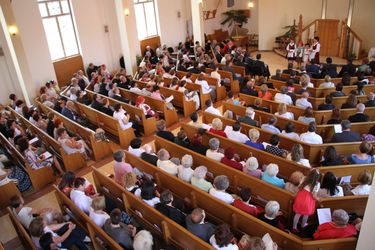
(282, 109)
(98, 203)
(296, 178)
(217, 124)
(263, 88)
(130, 179)
(254, 134)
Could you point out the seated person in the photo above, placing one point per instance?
(346, 135)
(147, 110)
(370, 100)
(165, 207)
(328, 104)
(165, 163)
(251, 168)
(293, 184)
(249, 117)
(217, 127)
(130, 183)
(272, 215)
(149, 194)
(234, 133)
(273, 147)
(122, 117)
(296, 155)
(182, 139)
(350, 103)
(243, 204)
(289, 132)
(331, 158)
(163, 133)
(195, 223)
(121, 233)
(359, 116)
(271, 125)
(249, 89)
(213, 151)
(330, 187)
(120, 167)
(308, 116)
(254, 136)
(195, 123)
(338, 228)
(148, 155)
(135, 147)
(78, 196)
(335, 117)
(196, 143)
(303, 101)
(223, 238)
(270, 176)
(97, 104)
(229, 159)
(97, 213)
(283, 112)
(184, 170)
(198, 179)
(264, 93)
(327, 83)
(364, 156)
(70, 144)
(283, 96)
(364, 186)
(311, 136)
(211, 109)
(221, 183)
(338, 92)
(67, 184)
(143, 241)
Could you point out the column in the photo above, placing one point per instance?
(128, 34)
(324, 9)
(197, 19)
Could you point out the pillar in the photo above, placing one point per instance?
(197, 19)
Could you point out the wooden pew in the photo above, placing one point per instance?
(22, 233)
(170, 115)
(317, 81)
(100, 148)
(71, 162)
(108, 123)
(234, 84)
(155, 222)
(351, 204)
(310, 150)
(261, 191)
(7, 191)
(98, 236)
(39, 177)
(237, 69)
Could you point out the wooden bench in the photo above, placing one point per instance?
(351, 204)
(317, 81)
(155, 222)
(7, 191)
(106, 122)
(71, 162)
(100, 148)
(234, 84)
(97, 235)
(237, 69)
(22, 233)
(39, 177)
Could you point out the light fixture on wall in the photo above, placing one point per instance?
(250, 4)
(13, 30)
(126, 12)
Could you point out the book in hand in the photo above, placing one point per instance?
(345, 179)
(32, 141)
(324, 215)
(46, 155)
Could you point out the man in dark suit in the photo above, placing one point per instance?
(249, 89)
(196, 225)
(164, 133)
(165, 207)
(327, 105)
(329, 69)
(359, 116)
(260, 67)
(338, 92)
(370, 100)
(277, 76)
(117, 96)
(195, 69)
(98, 105)
(289, 70)
(124, 83)
(346, 135)
(349, 68)
(248, 118)
(313, 69)
(228, 67)
(67, 111)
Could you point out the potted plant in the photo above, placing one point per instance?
(234, 18)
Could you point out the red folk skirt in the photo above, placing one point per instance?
(304, 203)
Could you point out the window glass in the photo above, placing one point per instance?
(146, 18)
(43, 10)
(54, 8)
(53, 38)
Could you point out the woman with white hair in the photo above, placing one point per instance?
(184, 171)
(254, 135)
(251, 168)
(164, 163)
(213, 151)
(270, 176)
(271, 214)
(221, 183)
(337, 228)
(217, 127)
(327, 83)
(198, 179)
(143, 240)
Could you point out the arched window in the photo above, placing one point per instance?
(59, 27)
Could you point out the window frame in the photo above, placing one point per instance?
(56, 17)
(143, 2)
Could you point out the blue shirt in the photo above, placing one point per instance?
(255, 145)
(273, 180)
(353, 159)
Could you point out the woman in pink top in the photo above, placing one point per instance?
(121, 168)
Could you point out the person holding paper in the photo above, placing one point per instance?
(338, 228)
(364, 187)
(329, 187)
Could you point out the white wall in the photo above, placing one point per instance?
(6, 82)
(97, 45)
(337, 9)
(172, 28)
(362, 22)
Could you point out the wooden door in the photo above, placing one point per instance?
(328, 32)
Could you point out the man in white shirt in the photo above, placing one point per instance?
(271, 125)
(327, 83)
(210, 108)
(303, 102)
(234, 133)
(283, 97)
(165, 164)
(215, 74)
(78, 196)
(221, 183)
(212, 152)
(310, 136)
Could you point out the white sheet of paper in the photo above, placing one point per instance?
(169, 99)
(46, 155)
(337, 128)
(324, 215)
(268, 242)
(35, 139)
(345, 179)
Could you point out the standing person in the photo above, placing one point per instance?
(291, 49)
(304, 203)
(306, 55)
(299, 54)
(315, 50)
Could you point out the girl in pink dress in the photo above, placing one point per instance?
(304, 203)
